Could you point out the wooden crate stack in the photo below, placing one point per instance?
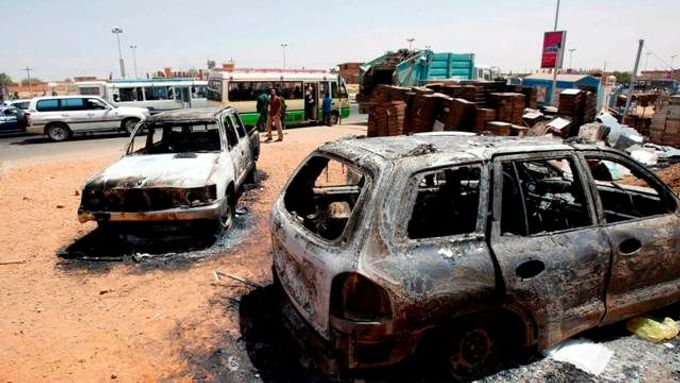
(570, 103)
(499, 128)
(589, 107)
(509, 106)
(665, 127)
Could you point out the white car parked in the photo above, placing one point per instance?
(59, 117)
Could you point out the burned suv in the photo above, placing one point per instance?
(474, 246)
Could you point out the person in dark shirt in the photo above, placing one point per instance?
(274, 117)
(262, 106)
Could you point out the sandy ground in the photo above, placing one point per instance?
(169, 319)
(99, 321)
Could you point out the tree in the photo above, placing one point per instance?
(622, 77)
(211, 64)
(192, 72)
(5, 79)
(34, 81)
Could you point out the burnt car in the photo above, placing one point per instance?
(474, 247)
(180, 167)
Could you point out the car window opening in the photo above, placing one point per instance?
(542, 196)
(625, 193)
(446, 204)
(176, 138)
(323, 194)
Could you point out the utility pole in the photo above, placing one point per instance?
(284, 46)
(553, 97)
(117, 31)
(410, 42)
(134, 58)
(30, 83)
(632, 81)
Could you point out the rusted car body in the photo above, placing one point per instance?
(477, 243)
(179, 166)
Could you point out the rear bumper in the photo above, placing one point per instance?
(212, 211)
(352, 345)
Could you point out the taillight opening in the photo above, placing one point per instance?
(356, 298)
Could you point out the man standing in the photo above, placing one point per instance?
(327, 107)
(262, 106)
(274, 115)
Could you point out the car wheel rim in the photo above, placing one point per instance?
(58, 133)
(130, 126)
(474, 349)
(227, 219)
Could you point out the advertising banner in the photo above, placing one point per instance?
(553, 44)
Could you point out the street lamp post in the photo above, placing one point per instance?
(410, 42)
(571, 56)
(117, 31)
(284, 46)
(134, 58)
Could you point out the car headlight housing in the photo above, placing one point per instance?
(201, 196)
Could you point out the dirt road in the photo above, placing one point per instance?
(65, 320)
(164, 317)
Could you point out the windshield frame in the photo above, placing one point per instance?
(131, 151)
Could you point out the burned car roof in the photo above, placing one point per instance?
(400, 148)
(186, 115)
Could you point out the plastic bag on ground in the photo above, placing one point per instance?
(648, 328)
(583, 354)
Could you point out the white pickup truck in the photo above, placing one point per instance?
(179, 166)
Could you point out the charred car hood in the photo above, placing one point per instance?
(179, 170)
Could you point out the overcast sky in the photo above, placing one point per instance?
(60, 39)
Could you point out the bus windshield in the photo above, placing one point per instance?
(185, 137)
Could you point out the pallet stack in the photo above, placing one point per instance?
(461, 115)
(589, 108)
(665, 127)
(570, 103)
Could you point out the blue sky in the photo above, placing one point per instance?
(62, 39)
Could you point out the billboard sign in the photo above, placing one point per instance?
(553, 44)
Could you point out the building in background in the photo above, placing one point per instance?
(350, 71)
(660, 75)
(543, 83)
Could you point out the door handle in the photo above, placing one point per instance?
(630, 246)
(529, 269)
(64, 114)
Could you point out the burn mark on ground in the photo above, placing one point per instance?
(99, 250)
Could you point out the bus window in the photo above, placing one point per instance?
(130, 94)
(90, 91)
(334, 90)
(247, 90)
(157, 93)
(199, 91)
(214, 90)
(290, 90)
(322, 90)
(343, 91)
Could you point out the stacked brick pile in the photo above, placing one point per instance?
(509, 106)
(665, 127)
(499, 128)
(570, 103)
(482, 117)
(386, 119)
(589, 108)
(461, 115)
(423, 112)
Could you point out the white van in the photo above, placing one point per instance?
(59, 117)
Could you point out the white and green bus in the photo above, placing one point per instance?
(156, 94)
(240, 88)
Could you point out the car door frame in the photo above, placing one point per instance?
(636, 283)
(237, 151)
(549, 297)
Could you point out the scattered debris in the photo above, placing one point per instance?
(650, 329)
(584, 354)
(216, 273)
(18, 262)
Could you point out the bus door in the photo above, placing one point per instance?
(311, 106)
(183, 96)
